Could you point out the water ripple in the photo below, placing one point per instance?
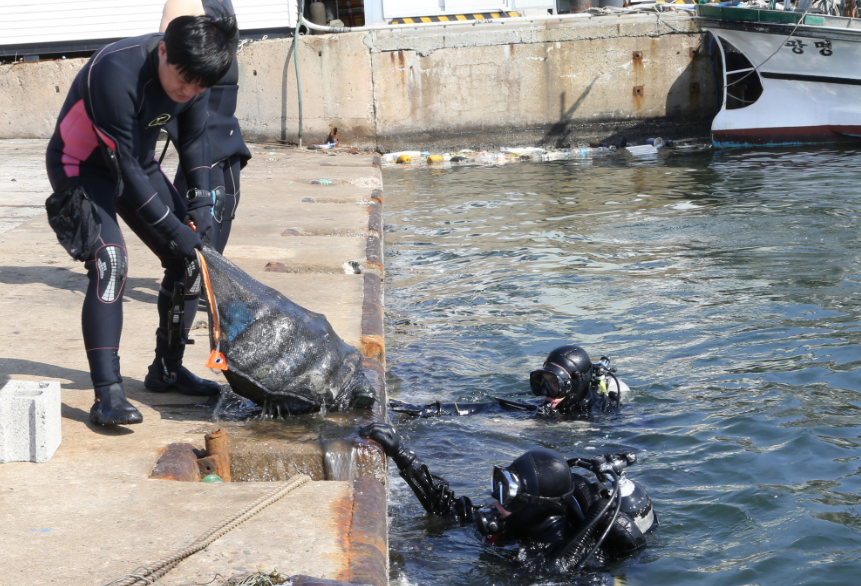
(725, 289)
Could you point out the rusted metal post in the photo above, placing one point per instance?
(216, 445)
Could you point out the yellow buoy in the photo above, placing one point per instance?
(435, 159)
(404, 159)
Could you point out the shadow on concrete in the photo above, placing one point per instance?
(70, 378)
(558, 133)
(169, 405)
(690, 108)
(143, 290)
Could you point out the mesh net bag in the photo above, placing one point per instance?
(275, 352)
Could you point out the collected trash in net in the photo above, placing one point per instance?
(275, 352)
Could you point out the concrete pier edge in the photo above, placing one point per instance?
(89, 514)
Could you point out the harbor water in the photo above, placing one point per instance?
(726, 289)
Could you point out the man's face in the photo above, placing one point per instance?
(174, 84)
(503, 512)
(553, 383)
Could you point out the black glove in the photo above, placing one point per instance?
(385, 435)
(181, 239)
(464, 510)
(200, 212)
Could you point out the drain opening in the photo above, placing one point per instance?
(271, 461)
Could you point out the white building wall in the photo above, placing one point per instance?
(407, 8)
(24, 22)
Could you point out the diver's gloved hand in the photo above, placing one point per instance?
(181, 239)
(200, 212)
(464, 510)
(385, 435)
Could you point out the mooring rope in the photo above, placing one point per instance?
(155, 571)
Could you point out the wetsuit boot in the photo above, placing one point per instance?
(112, 407)
(167, 376)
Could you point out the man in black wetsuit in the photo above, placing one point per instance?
(228, 151)
(569, 382)
(105, 142)
(540, 504)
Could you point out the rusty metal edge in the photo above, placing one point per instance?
(367, 539)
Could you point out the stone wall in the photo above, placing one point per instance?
(479, 86)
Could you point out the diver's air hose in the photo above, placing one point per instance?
(588, 531)
(601, 539)
(618, 390)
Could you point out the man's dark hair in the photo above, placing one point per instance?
(201, 47)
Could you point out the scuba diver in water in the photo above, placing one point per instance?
(540, 504)
(569, 382)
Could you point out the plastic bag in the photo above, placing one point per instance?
(275, 352)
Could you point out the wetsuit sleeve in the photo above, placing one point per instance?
(432, 491)
(110, 91)
(193, 144)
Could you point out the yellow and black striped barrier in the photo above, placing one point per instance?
(453, 17)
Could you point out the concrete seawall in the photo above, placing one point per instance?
(480, 85)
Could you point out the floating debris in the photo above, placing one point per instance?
(653, 147)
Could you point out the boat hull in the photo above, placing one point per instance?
(811, 86)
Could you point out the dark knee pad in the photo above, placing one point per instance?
(111, 267)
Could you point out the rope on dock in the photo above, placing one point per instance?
(150, 574)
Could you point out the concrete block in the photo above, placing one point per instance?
(29, 421)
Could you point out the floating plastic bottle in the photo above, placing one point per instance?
(583, 152)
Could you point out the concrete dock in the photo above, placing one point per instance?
(91, 514)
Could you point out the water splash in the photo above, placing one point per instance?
(339, 459)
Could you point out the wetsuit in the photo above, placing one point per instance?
(546, 527)
(228, 151)
(105, 141)
(595, 400)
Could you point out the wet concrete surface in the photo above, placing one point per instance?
(90, 514)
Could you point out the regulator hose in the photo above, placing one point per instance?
(601, 539)
(618, 390)
(592, 517)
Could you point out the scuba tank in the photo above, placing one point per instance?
(637, 505)
(620, 518)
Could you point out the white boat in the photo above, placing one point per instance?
(785, 81)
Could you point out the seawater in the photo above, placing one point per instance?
(726, 288)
